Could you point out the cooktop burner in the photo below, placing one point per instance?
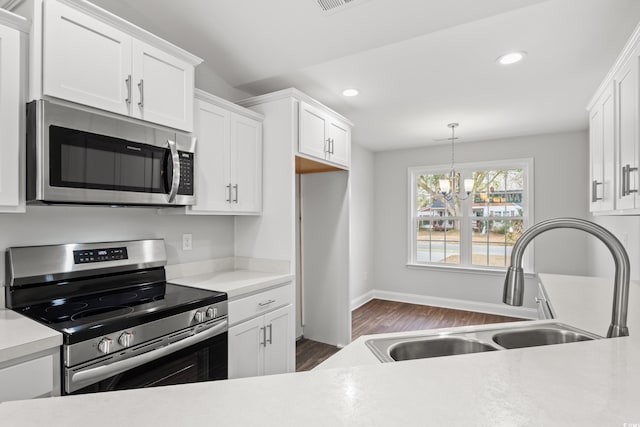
(90, 316)
(94, 314)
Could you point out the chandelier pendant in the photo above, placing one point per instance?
(450, 186)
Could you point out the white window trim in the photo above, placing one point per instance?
(528, 208)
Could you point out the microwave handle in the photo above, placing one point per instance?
(175, 180)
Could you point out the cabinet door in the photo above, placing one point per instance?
(163, 87)
(212, 158)
(28, 380)
(85, 60)
(279, 353)
(313, 125)
(627, 98)
(602, 152)
(246, 164)
(246, 349)
(10, 108)
(340, 136)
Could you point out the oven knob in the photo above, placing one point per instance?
(200, 316)
(104, 346)
(126, 339)
(212, 312)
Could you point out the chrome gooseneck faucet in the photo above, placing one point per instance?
(514, 281)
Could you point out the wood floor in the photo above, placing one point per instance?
(379, 316)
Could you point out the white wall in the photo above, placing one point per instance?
(361, 223)
(627, 230)
(560, 171)
(44, 225)
(208, 80)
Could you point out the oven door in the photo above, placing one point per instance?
(201, 357)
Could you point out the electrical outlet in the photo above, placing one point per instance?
(187, 242)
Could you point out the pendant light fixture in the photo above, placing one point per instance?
(450, 186)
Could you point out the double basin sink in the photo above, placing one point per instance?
(449, 344)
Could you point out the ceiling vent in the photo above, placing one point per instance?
(333, 6)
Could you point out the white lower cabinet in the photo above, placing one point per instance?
(34, 376)
(265, 344)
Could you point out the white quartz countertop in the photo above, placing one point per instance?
(585, 302)
(21, 336)
(594, 383)
(236, 283)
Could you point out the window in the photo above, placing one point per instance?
(475, 231)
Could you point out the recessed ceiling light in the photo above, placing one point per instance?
(511, 58)
(350, 92)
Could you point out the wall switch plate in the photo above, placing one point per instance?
(187, 242)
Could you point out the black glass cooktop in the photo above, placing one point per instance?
(95, 315)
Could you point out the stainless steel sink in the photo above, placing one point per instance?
(475, 341)
(538, 336)
(437, 347)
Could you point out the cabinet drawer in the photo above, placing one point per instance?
(27, 380)
(261, 303)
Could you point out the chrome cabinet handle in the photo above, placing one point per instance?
(629, 170)
(327, 146)
(228, 193)
(270, 340)
(235, 187)
(141, 88)
(128, 83)
(175, 181)
(332, 145)
(594, 191)
(267, 302)
(626, 180)
(264, 336)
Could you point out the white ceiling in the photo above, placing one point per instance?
(419, 64)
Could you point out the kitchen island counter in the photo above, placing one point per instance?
(594, 383)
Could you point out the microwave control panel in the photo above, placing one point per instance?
(186, 173)
(87, 256)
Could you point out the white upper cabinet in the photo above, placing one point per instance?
(602, 149)
(323, 136)
(246, 164)
(228, 158)
(85, 60)
(12, 112)
(313, 138)
(626, 80)
(89, 56)
(614, 120)
(163, 87)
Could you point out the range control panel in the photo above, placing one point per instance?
(86, 256)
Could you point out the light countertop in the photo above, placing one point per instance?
(236, 283)
(585, 302)
(20, 336)
(593, 383)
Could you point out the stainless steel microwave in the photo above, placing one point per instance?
(83, 157)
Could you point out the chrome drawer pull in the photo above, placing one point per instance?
(263, 303)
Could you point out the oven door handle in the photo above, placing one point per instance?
(105, 371)
(175, 179)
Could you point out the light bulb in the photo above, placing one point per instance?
(468, 185)
(444, 186)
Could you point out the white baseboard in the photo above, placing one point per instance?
(362, 300)
(457, 304)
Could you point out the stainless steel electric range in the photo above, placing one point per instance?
(124, 326)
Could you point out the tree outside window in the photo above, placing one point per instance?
(477, 232)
